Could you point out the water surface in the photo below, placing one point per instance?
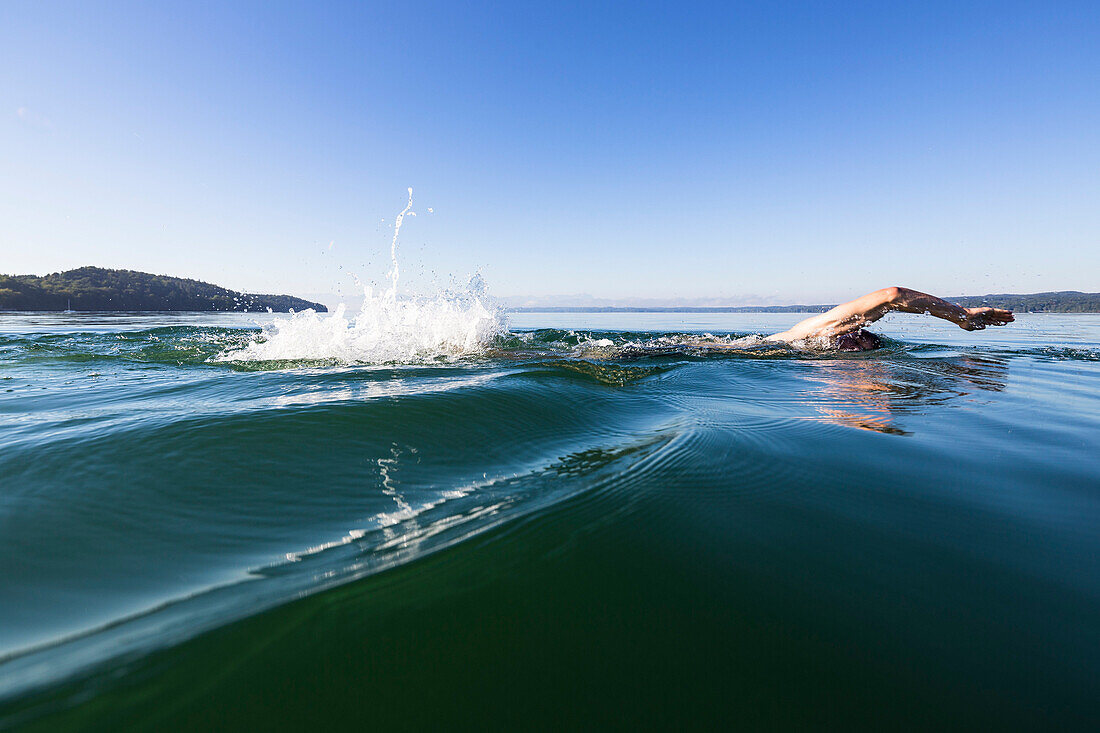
(597, 519)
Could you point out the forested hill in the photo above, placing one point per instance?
(99, 289)
(1063, 301)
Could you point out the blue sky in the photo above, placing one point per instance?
(753, 152)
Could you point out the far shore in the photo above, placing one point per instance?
(718, 309)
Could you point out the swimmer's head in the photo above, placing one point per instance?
(858, 340)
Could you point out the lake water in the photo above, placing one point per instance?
(594, 520)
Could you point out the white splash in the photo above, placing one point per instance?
(386, 329)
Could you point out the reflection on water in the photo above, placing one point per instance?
(871, 394)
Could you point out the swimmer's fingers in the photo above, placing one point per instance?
(978, 318)
(999, 317)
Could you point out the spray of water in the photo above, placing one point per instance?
(387, 329)
(395, 271)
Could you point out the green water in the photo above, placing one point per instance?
(594, 521)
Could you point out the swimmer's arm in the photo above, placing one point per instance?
(968, 319)
(873, 306)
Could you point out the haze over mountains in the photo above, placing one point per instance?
(1064, 301)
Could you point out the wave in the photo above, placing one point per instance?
(251, 482)
(449, 329)
(423, 517)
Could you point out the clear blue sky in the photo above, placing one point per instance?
(757, 151)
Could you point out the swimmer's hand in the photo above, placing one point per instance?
(975, 319)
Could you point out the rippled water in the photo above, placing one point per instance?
(596, 519)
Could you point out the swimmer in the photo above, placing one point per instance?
(843, 326)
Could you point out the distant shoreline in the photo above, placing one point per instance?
(4, 312)
(97, 289)
(1063, 301)
(762, 309)
(135, 312)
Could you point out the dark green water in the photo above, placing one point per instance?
(636, 532)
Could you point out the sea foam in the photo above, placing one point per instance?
(387, 329)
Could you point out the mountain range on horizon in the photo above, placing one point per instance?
(1062, 301)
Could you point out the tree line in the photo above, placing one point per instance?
(101, 289)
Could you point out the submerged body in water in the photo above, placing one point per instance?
(195, 536)
(842, 326)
